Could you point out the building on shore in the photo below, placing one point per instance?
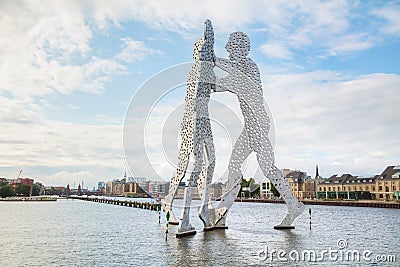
(347, 186)
(266, 189)
(121, 188)
(27, 181)
(333, 187)
(217, 190)
(136, 187)
(387, 185)
(302, 186)
(378, 187)
(54, 190)
(101, 187)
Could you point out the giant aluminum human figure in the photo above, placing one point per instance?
(244, 81)
(196, 135)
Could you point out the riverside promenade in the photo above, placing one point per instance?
(36, 198)
(351, 203)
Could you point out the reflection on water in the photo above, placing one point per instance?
(80, 233)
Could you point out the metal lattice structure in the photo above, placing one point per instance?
(197, 139)
(245, 82)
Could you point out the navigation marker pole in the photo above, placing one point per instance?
(166, 227)
(309, 211)
(159, 212)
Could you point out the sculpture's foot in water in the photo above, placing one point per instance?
(293, 213)
(207, 215)
(283, 227)
(218, 217)
(186, 230)
(172, 219)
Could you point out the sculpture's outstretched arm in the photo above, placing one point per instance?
(224, 64)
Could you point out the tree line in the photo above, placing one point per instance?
(7, 190)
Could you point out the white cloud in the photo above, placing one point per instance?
(350, 43)
(277, 50)
(54, 145)
(134, 51)
(343, 123)
(346, 124)
(390, 13)
(46, 48)
(63, 178)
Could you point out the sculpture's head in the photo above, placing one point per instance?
(238, 45)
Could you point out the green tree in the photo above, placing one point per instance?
(243, 183)
(35, 190)
(23, 189)
(274, 191)
(255, 191)
(7, 191)
(54, 191)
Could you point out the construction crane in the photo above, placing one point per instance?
(16, 180)
(19, 175)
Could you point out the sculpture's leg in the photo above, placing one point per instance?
(205, 184)
(240, 152)
(173, 187)
(185, 227)
(295, 207)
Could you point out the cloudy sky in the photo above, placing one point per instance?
(69, 70)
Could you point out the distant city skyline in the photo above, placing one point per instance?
(330, 75)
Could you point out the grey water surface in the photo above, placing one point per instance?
(82, 233)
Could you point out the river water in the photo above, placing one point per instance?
(81, 233)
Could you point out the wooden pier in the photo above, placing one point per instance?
(132, 204)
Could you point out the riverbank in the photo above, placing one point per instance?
(29, 199)
(351, 203)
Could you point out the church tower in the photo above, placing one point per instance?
(316, 172)
(79, 190)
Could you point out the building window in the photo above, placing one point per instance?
(329, 189)
(380, 188)
(366, 188)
